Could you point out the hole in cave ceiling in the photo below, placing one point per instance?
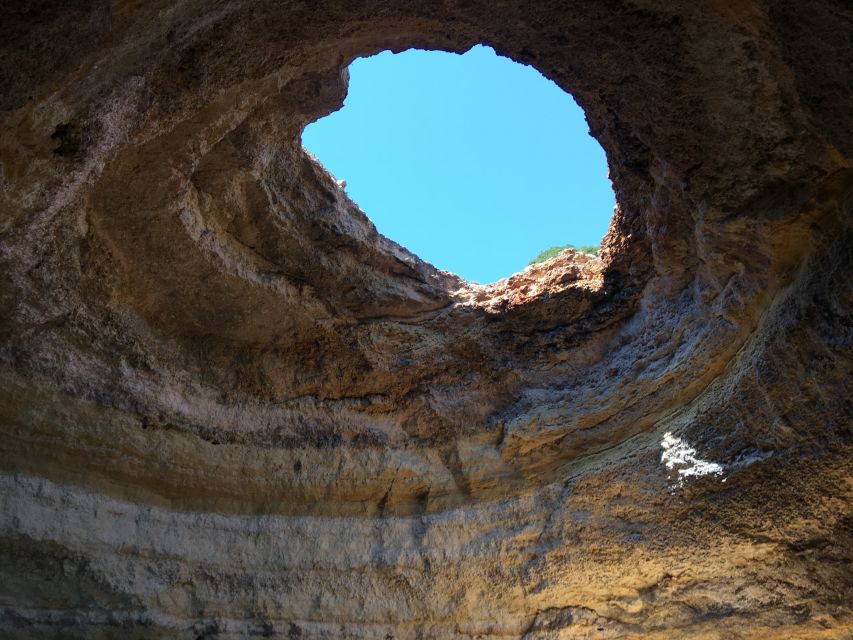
(474, 162)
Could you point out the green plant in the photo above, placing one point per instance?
(553, 251)
(550, 253)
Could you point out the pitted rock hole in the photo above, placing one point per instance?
(474, 162)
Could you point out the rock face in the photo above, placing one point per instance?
(229, 407)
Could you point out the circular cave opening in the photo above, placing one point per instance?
(476, 163)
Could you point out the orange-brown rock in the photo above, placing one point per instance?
(229, 407)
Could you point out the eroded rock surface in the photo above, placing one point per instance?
(229, 407)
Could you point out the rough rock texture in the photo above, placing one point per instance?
(229, 407)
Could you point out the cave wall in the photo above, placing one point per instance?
(229, 407)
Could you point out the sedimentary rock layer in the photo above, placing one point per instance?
(230, 407)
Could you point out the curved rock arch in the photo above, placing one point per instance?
(230, 406)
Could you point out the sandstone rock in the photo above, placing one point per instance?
(230, 407)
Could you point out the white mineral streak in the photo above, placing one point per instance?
(678, 456)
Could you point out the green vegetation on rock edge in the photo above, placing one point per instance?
(553, 251)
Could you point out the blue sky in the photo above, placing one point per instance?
(473, 162)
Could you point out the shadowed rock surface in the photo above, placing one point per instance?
(230, 408)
